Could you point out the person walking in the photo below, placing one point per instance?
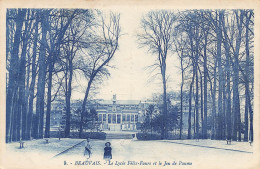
(88, 148)
(107, 151)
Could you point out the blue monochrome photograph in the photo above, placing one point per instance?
(129, 88)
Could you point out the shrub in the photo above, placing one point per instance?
(93, 135)
(55, 134)
(148, 136)
(85, 135)
(175, 136)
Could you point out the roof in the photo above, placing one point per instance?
(131, 102)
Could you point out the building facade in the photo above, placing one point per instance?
(113, 115)
(119, 115)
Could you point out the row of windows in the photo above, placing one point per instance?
(119, 112)
(109, 107)
(116, 118)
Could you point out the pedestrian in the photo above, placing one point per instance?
(107, 151)
(88, 148)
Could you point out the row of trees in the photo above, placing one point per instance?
(215, 50)
(45, 50)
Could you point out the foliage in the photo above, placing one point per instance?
(148, 136)
(90, 121)
(153, 118)
(91, 135)
(147, 122)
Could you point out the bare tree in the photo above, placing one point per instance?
(157, 30)
(72, 44)
(42, 75)
(60, 28)
(12, 115)
(180, 44)
(33, 78)
(228, 69)
(99, 54)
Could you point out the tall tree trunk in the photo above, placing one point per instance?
(196, 135)
(201, 105)
(251, 133)
(14, 117)
(41, 78)
(182, 83)
(22, 98)
(164, 133)
(48, 112)
(228, 110)
(246, 118)
(224, 123)
(22, 75)
(248, 97)
(190, 105)
(213, 127)
(28, 78)
(13, 76)
(83, 108)
(190, 35)
(228, 90)
(236, 102)
(221, 80)
(247, 93)
(205, 70)
(68, 97)
(32, 85)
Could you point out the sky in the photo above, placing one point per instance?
(130, 79)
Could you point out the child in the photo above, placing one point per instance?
(87, 148)
(107, 151)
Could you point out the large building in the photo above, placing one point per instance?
(113, 115)
(119, 115)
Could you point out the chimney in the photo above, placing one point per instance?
(114, 99)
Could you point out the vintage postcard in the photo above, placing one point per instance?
(133, 84)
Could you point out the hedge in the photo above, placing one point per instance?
(148, 136)
(91, 135)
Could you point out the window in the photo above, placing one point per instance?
(128, 117)
(118, 118)
(136, 118)
(132, 118)
(100, 117)
(124, 118)
(114, 118)
(109, 118)
(104, 117)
